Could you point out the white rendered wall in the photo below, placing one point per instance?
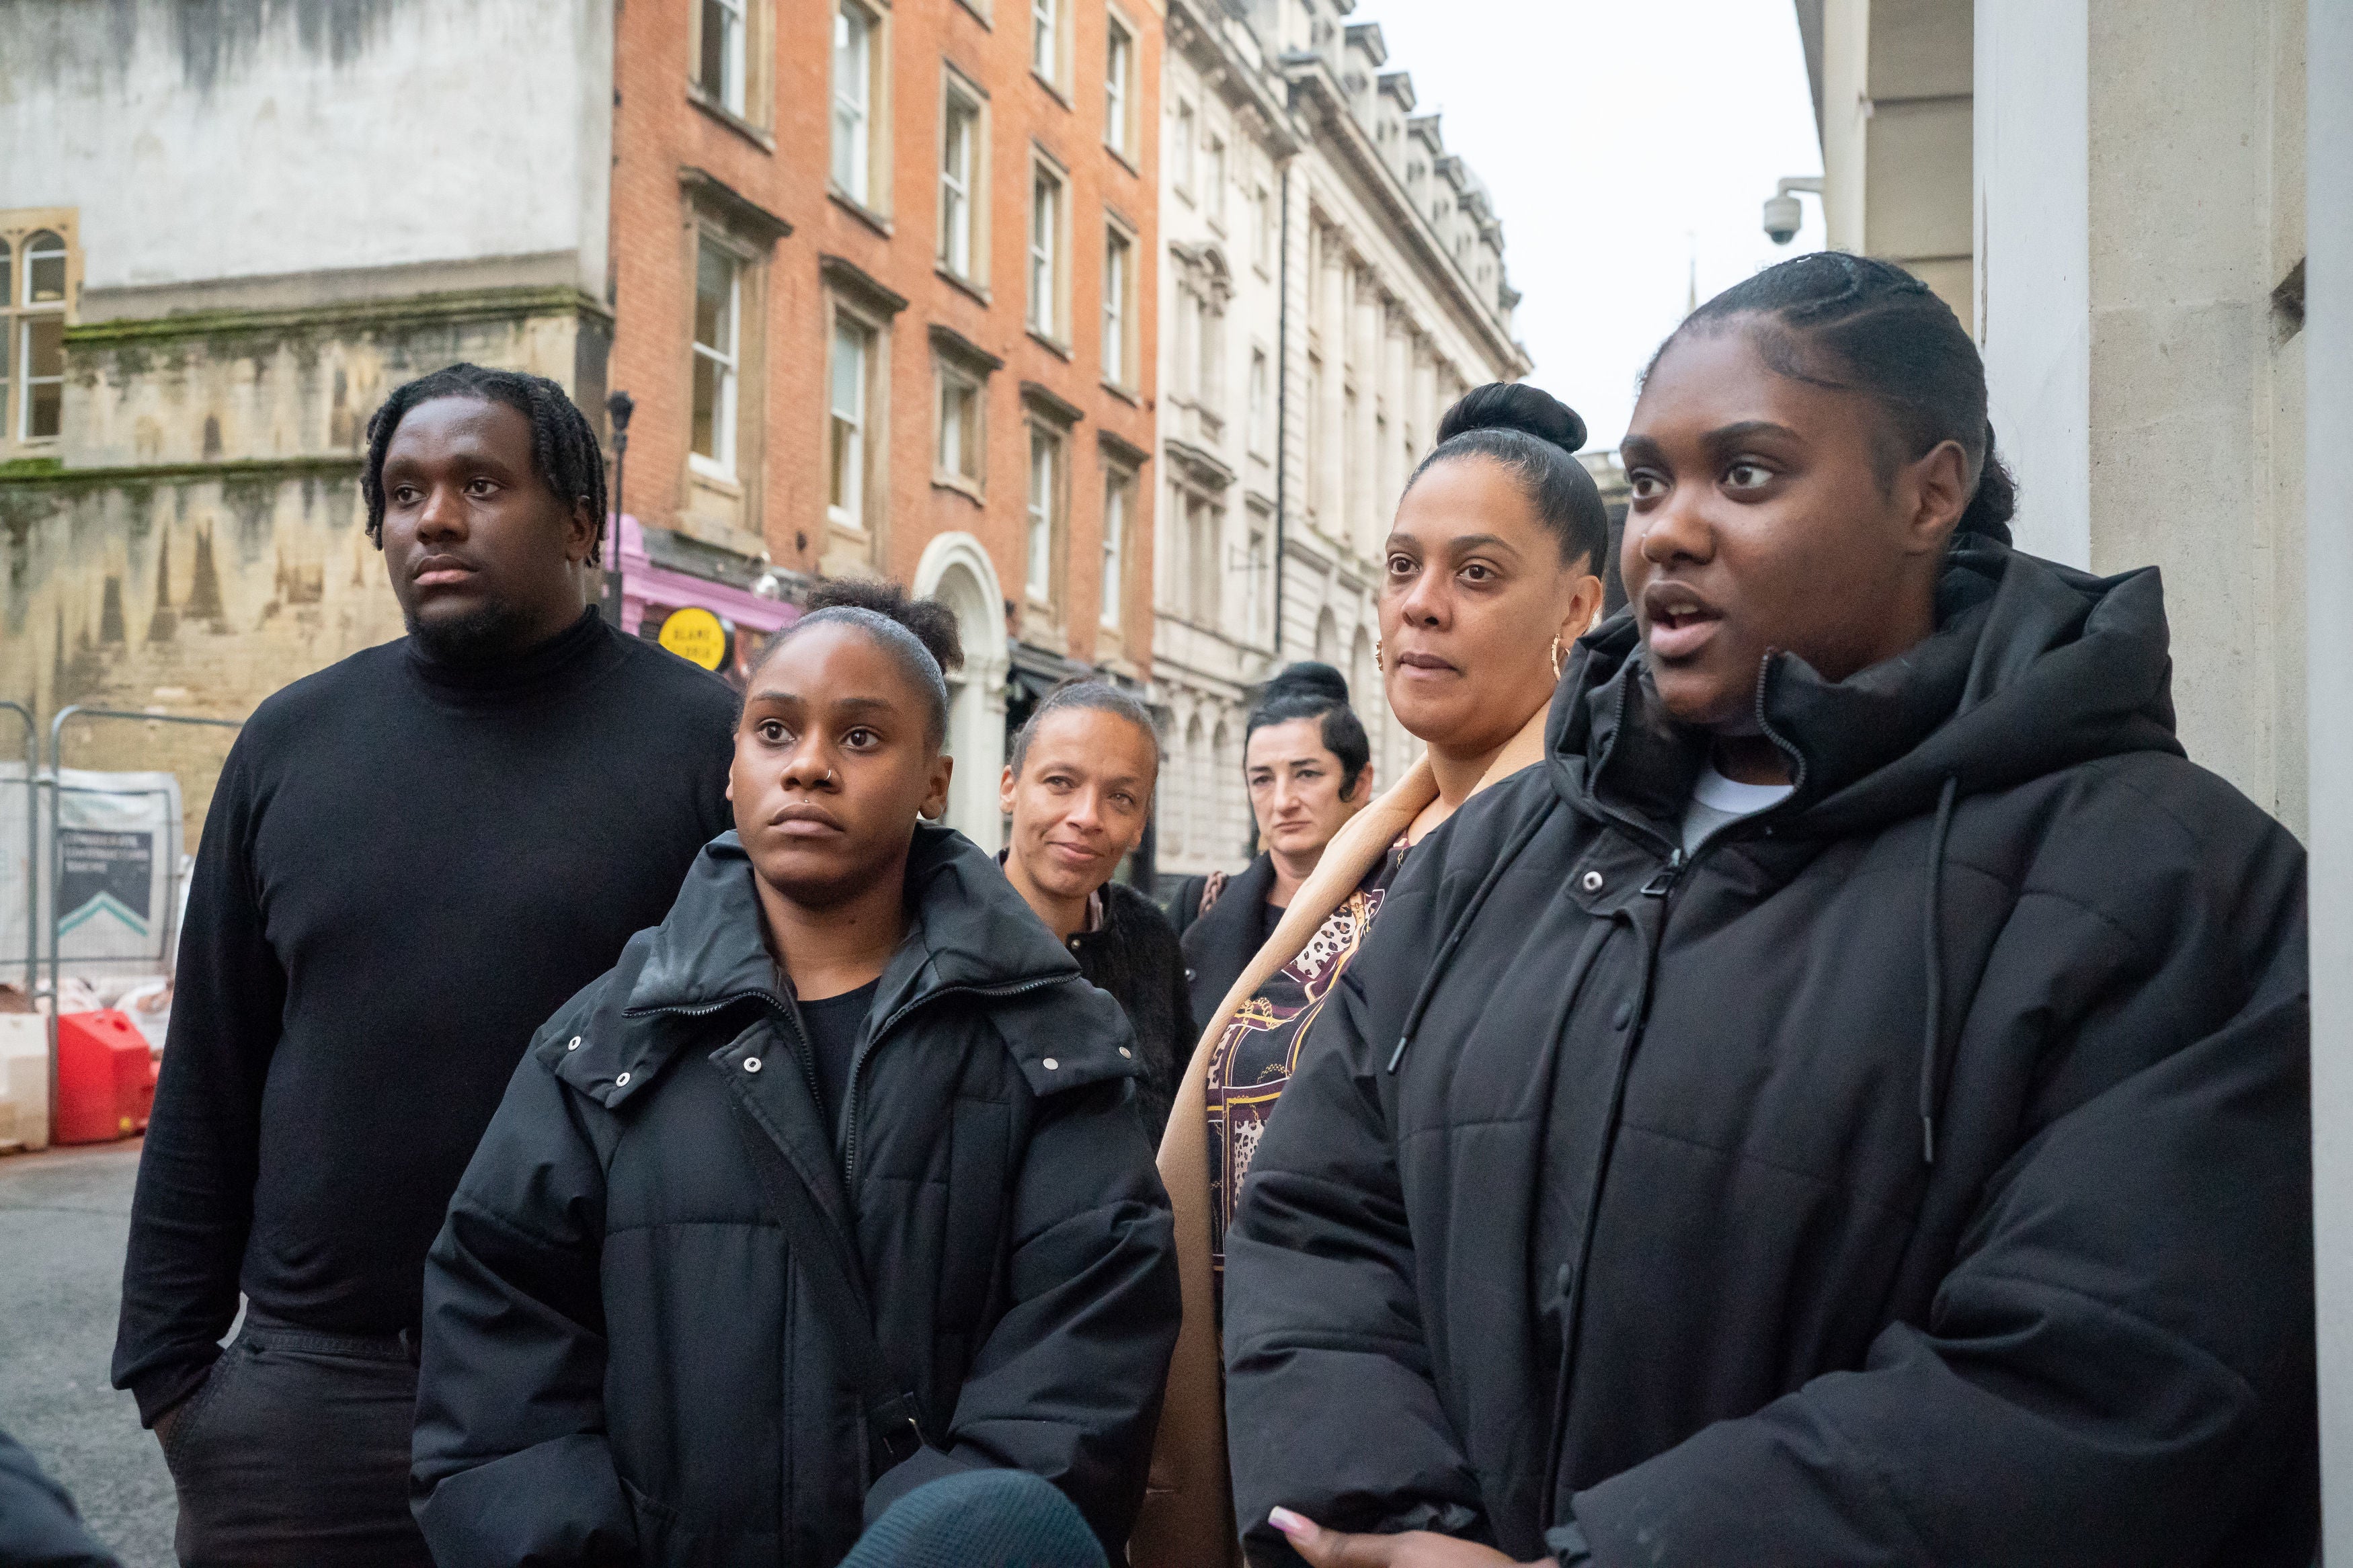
(2034, 260)
(2329, 413)
(327, 135)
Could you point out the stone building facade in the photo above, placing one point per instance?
(879, 272)
(179, 504)
(2126, 185)
(877, 276)
(1334, 278)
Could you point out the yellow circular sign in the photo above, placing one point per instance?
(695, 633)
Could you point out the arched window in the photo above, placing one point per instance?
(34, 284)
(1327, 637)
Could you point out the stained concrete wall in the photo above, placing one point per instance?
(210, 140)
(212, 549)
(284, 207)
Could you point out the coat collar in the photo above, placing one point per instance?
(967, 927)
(967, 931)
(2033, 667)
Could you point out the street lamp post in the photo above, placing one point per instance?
(620, 405)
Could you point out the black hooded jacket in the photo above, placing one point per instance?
(1920, 1173)
(624, 1361)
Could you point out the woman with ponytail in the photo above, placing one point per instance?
(1491, 573)
(1847, 1104)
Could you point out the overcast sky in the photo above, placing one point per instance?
(1622, 141)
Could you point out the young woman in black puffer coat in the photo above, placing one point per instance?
(833, 1185)
(1848, 1105)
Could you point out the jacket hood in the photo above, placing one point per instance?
(2033, 667)
(967, 927)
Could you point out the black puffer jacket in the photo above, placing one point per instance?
(1644, 1235)
(623, 1358)
(1135, 958)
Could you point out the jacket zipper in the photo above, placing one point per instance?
(857, 1062)
(873, 1041)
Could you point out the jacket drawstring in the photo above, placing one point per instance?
(1430, 979)
(1933, 1025)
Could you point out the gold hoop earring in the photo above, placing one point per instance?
(1376, 657)
(1557, 656)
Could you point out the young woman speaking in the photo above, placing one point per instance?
(1849, 1105)
(833, 1185)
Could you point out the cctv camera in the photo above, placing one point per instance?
(1782, 217)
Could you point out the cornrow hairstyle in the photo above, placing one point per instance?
(1086, 691)
(1311, 690)
(919, 634)
(1536, 437)
(563, 446)
(1853, 323)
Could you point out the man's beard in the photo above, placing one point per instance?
(477, 636)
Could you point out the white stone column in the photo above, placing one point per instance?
(2139, 202)
(1426, 411)
(2328, 514)
(1363, 344)
(1396, 350)
(1332, 333)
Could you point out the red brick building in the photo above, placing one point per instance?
(883, 282)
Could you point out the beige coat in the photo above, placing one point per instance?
(1189, 1510)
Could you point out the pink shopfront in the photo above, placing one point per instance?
(665, 574)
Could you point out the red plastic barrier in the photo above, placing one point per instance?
(106, 1078)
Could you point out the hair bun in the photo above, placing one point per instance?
(1515, 405)
(1307, 678)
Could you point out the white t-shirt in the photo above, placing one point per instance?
(1717, 801)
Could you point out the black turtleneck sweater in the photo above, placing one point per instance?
(406, 867)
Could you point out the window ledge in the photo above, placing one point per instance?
(710, 473)
(978, 10)
(1051, 85)
(961, 486)
(1059, 348)
(859, 210)
(1127, 159)
(730, 119)
(1125, 393)
(977, 290)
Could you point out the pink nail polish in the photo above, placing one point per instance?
(1289, 1523)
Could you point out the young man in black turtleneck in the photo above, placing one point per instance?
(412, 859)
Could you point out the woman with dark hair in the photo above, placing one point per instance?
(1491, 574)
(1308, 766)
(1849, 1104)
(832, 1186)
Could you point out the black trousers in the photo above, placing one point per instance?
(294, 1451)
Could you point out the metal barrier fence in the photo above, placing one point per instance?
(32, 840)
(53, 782)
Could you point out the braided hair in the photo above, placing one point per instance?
(1853, 323)
(563, 448)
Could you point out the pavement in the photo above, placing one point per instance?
(64, 1217)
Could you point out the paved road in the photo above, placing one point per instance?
(63, 1217)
